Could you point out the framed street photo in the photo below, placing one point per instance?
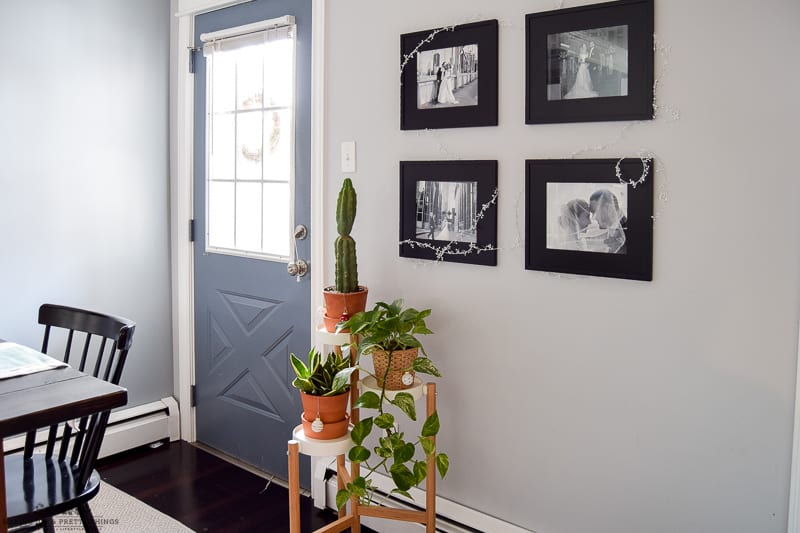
(449, 77)
(590, 63)
(581, 219)
(448, 211)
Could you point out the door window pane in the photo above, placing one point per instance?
(249, 170)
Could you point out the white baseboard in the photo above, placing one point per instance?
(451, 517)
(137, 426)
(127, 428)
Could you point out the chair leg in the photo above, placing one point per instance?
(47, 525)
(88, 520)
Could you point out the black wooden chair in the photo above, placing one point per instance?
(43, 483)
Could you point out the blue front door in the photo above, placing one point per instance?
(251, 186)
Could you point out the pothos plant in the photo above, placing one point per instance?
(389, 328)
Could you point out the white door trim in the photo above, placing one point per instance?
(794, 479)
(181, 191)
(181, 212)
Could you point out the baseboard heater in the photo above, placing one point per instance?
(127, 428)
(451, 517)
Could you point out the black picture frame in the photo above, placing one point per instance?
(472, 185)
(544, 204)
(415, 114)
(611, 24)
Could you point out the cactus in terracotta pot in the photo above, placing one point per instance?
(345, 246)
(346, 297)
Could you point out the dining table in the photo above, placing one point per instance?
(45, 398)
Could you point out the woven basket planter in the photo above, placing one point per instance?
(401, 363)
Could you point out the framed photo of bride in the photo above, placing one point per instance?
(583, 216)
(448, 211)
(590, 63)
(448, 77)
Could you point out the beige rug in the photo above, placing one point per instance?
(118, 512)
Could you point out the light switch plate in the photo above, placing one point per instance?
(349, 156)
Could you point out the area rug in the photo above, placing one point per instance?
(118, 512)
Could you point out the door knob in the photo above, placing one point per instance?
(297, 267)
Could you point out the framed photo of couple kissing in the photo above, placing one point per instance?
(590, 63)
(449, 77)
(580, 218)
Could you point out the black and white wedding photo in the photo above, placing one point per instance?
(446, 210)
(587, 217)
(447, 77)
(588, 63)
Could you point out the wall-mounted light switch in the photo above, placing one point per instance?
(349, 156)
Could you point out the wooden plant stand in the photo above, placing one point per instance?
(300, 443)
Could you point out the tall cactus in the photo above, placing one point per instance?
(345, 246)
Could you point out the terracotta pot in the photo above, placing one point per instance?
(332, 410)
(330, 322)
(332, 430)
(401, 363)
(339, 303)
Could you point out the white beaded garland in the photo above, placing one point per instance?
(660, 111)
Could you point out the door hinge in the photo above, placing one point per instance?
(193, 396)
(191, 230)
(192, 58)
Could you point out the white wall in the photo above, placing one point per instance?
(580, 404)
(83, 171)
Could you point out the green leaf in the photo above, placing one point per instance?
(368, 400)
(442, 464)
(396, 307)
(403, 478)
(428, 446)
(405, 402)
(356, 489)
(303, 385)
(299, 367)
(358, 454)
(403, 492)
(408, 341)
(341, 498)
(361, 483)
(420, 471)
(342, 378)
(421, 329)
(403, 453)
(431, 426)
(382, 451)
(313, 360)
(424, 365)
(361, 430)
(384, 421)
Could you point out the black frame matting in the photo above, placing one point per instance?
(636, 105)
(484, 172)
(485, 35)
(636, 263)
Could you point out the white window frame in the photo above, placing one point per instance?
(230, 33)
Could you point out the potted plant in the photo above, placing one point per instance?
(388, 328)
(324, 387)
(388, 333)
(346, 297)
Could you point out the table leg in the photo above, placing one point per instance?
(3, 511)
(294, 486)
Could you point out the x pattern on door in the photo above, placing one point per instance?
(243, 321)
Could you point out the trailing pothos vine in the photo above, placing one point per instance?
(389, 328)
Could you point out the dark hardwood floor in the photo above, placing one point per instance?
(206, 493)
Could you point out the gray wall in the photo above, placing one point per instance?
(83, 171)
(578, 404)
